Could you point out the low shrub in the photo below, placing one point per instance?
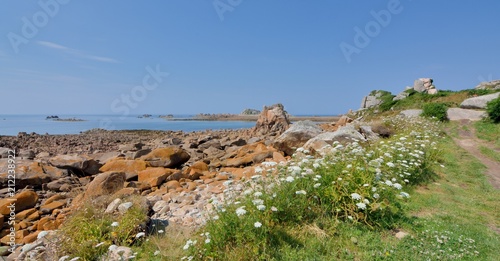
(493, 110)
(435, 110)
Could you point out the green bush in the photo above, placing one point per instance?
(493, 109)
(437, 110)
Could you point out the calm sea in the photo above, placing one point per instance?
(13, 124)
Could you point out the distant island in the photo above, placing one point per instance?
(56, 118)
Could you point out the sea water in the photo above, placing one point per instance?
(13, 124)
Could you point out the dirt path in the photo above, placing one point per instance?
(468, 140)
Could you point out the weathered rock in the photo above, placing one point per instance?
(368, 133)
(130, 167)
(422, 84)
(249, 154)
(25, 213)
(411, 113)
(124, 207)
(371, 100)
(155, 176)
(29, 173)
(18, 235)
(130, 147)
(272, 119)
(48, 208)
(401, 96)
(24, 200)
(105, 183)
(26, 154)
(113, 206)
(4, 152)
(84, 164)
(169, 157)
(104, 158)
(196, 170)
(455, 114)
(63, 184)
(296, 136)
(347, 133)
(136, 154)
(492, 85)
(478, 102)
(432, 91)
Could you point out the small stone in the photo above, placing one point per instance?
(401, 234)
(113, 206)
(124, 207)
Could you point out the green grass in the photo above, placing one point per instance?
(492, 154)
(488, 131)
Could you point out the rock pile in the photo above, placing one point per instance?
(424, 85)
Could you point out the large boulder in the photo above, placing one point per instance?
(30, 173)
(423, 84)
(478, 102)
(344, 134)
(169, 157)
(456, 114)
(370, 101)
(298, 134)
(23, 200)
(273, 119)
(105, 183)
(76, 163)
(155, 176)
(492, 85)
(249, 154)
(130, 167)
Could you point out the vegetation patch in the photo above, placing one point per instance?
(493, 110)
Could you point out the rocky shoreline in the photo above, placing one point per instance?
(178, 173)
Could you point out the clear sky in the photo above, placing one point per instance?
(315, 57)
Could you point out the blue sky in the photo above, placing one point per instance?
(227, 55)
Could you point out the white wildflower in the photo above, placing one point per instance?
(404, 195)
(361, 205)
(274, 209)
(303, 192)
(289, 179)
(356, 196)
(240, 211)
(261, 207)
(257, 224)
